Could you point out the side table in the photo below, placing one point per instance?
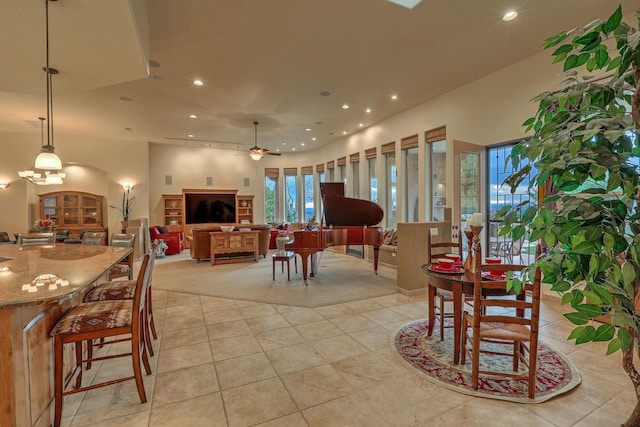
(282, 257)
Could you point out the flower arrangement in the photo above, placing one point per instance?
(44, 225)
(125, 210)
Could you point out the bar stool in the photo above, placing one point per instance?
(282, 257)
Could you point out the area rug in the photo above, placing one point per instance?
(432, 359)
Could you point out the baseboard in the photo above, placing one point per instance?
(411, 292)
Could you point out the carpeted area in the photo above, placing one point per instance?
(432, 359)
(342, 278)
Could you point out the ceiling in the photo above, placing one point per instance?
(268, 61)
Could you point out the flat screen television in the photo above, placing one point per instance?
(202, 208)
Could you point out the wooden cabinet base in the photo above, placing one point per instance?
(233, 246)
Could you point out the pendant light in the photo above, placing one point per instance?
(47, 161)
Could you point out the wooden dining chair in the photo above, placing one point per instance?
(499, 322)
(436, 251)
(36, 239)
(123, 290)
(89, 321)
(94, 238)
(123, 268)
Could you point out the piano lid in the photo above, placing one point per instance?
(341, 211)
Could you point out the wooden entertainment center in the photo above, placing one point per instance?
(176, 211)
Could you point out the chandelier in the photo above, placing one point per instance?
(46, 170)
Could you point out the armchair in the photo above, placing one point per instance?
(174, 240)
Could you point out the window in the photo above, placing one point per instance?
(436, 176)
(354, 159)
(388, 152)
(307, 178)
(291, 194)
(370, 155)
(271, 195)
(409, 147)
(343, 174)
(330, 171)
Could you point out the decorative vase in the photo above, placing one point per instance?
(281, 240)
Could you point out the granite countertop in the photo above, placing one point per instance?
(37, 274)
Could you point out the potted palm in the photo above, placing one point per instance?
(584, 157)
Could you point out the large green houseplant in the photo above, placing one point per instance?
(583, 156)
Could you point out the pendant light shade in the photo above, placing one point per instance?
(48, 159)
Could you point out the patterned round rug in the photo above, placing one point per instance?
(433, 360)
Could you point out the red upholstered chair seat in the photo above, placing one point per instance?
(174, 240)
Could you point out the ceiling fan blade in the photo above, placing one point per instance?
(269, 153)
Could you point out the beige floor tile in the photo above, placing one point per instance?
(180, 337)
(244, 370)
(385, 316)
(362, 306)
(184, 357)
(393, 359)
(257, 403)
(314, 386)
(603, 417)
(346, 411)
(340, 347)
(177, 298)
(139, 419)
(293, 420)
(246, 303)
(231, 329)
(286, 308)
(391, 300)
(216, 303)
(184, 384)
(266, 323)
(336, 310)
(487, 413)
(373, 339)
(364, 370)
(200, 411)
(409, 400)
(180, 310)
(219, 316)
(414, 310)
(294, 358)
(257, 310)
(353, 322)
(281, 337)
(318, 330)
(306, 315)
(186, 320)
(228, 348)
(393, 327)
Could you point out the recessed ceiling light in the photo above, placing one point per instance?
(198, 82)
(368, 110)
(344, 132)
(277, 149)
(313, 139)
(190, 135)
(302, 144)
(510, 16)
(360, 124)
(345, 106)
(293, 149)
(284, 143)
(394, 97)
(193, 116)
(308, 129)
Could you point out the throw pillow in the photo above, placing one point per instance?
(389, 237)
(162, 230)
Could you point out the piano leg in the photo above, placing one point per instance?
(314, 264)
(305, 256)
(376, 250)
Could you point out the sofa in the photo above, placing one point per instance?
(283, 226)
(199, 239)
(174, 240)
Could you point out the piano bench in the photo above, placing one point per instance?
(282, 257)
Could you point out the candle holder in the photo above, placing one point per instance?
(475, 248)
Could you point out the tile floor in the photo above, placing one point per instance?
(222, 362)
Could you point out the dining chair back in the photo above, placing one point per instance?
(94, 238)
(125, 267)
(436, 251)
(109, 319)
(5, 239)
(502, 322)
(36, 239)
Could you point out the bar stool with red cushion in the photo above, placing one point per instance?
(96, 320)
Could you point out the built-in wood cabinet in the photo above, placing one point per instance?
(173, 212)
(244, 209)
(74, 210)
(233, 246)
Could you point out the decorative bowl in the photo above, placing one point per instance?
(227, 228)
(445, 263)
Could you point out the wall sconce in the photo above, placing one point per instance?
(4, 185)
(127, 187)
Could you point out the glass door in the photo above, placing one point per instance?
(469, 175)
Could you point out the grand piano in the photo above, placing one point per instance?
(347, 221)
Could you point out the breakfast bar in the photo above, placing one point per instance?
(37, 286)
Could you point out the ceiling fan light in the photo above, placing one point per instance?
(255, 155)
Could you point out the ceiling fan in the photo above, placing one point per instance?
(255, 152)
